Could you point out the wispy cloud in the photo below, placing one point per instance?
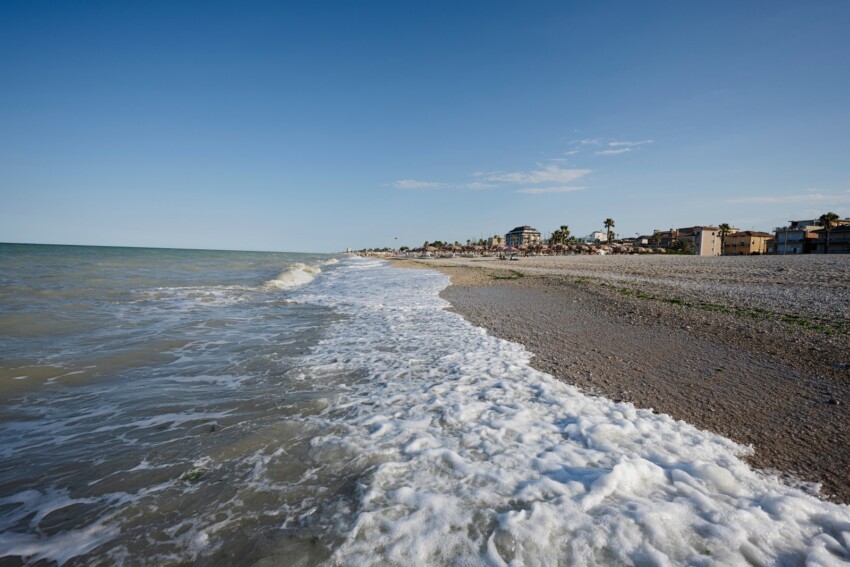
(541, 190)
(625, 143)
(809, 196)
(621, 147)
(591, 142)
(476, 185)
(546, 174)
(414, 184)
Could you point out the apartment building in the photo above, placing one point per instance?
(746, 243)
(523, 235)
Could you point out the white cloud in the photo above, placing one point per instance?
(810, 196)
(591, 141)
(572, 152)
(476, 185)
(621, 143)
(613, 152)
(414, 184)
(540, 190)
(547, 174)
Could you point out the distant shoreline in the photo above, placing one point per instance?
(754, 348)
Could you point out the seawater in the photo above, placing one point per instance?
(177, 407)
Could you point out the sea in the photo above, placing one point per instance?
(186, 407)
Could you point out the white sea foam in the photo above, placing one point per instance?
(294, 276)
(477, 458)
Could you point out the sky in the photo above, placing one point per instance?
(319, 126)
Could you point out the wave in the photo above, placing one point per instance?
(294, 276)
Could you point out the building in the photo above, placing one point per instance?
(839, 240)
(747, 243)
(704, 240)
(523, 235)
(707, 241)
(797, 238)
(804, 237)
(596, 237)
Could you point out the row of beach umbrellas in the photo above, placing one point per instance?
(544, 249)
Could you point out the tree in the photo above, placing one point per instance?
(724, 230)
(828, 220)
(560, 235)
(656, 237)
(609, 224)
(682, 247)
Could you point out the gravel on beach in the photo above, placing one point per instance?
(755, 348)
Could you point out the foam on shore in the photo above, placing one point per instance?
(478, 458)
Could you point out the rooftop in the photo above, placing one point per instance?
(751, 233)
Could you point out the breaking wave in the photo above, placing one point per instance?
(294, 276)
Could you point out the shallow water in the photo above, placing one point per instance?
(201, 411)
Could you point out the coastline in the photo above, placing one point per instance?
(747, 355)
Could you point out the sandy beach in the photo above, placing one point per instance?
(754, 348)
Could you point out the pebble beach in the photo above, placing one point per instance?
(754, 348)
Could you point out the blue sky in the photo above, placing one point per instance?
(322, 125)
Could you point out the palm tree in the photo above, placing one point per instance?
(828, 220)
(724, 230)
(656, 237)
(609, 224)
(560, 235)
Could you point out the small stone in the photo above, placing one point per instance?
(834, 402)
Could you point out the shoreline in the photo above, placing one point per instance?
(774, 379)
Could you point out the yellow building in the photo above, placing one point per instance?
(746, 243)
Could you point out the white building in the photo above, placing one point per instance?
(596, 237)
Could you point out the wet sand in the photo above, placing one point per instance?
(756, 349)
